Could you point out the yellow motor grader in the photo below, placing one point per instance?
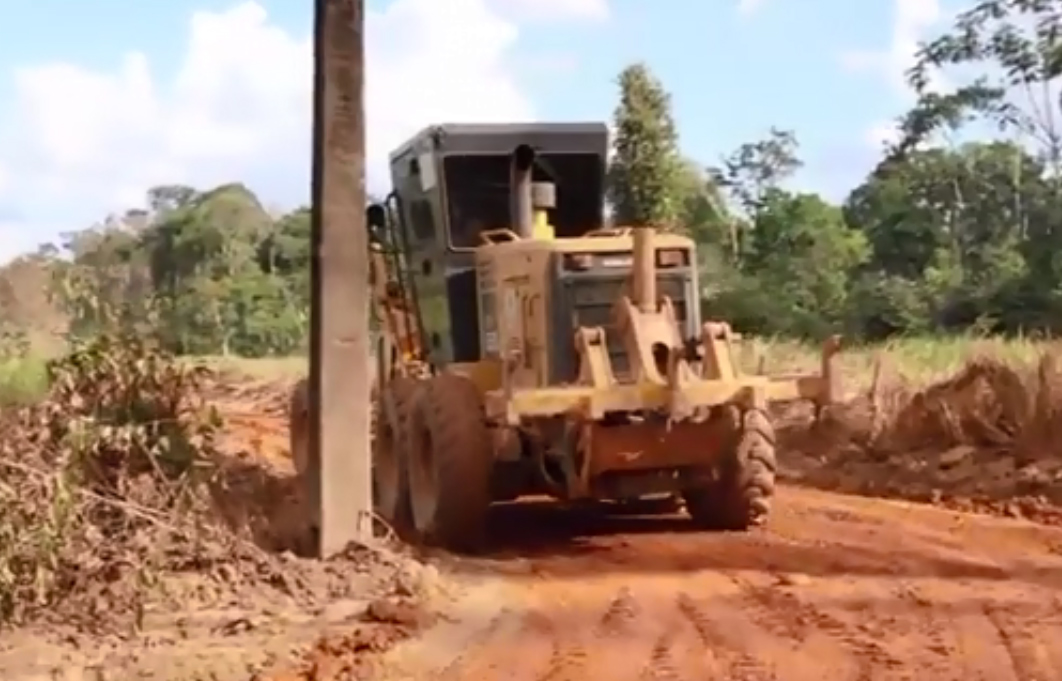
(527, 348)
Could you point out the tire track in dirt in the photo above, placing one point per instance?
(476, 658)
(642, 636)
(762, 633)
(983, 655)
(1028, 656)
(1055, 632)
(935, 632)
(557, 646)
(726, 659)
(629, 628)
(782, 613)
(662, 665)
(927, 595)
(567, 660)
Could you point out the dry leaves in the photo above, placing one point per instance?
(107, 483)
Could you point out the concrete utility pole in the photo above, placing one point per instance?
(339, 314)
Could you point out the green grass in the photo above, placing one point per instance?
(23, 380)
(264, 368)
(920, 360)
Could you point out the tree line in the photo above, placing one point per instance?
(958, 228)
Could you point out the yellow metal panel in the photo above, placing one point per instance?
(486, 374)
(594, 403)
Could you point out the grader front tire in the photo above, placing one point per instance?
(739, 497)
(450, 463)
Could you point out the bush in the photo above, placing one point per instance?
(104, 482)
(23, 381)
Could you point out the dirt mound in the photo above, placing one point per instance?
(251, 395)
(149, 518)
(987, 438)
(353, 655)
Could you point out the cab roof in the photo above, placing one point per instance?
(472, 138)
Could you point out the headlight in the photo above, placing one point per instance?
(671, 257)
(578, 261)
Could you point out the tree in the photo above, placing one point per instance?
(965, 226)
(1016, 47)
(755, 169)
(169, 197)
(797, 269)
(644, 181)
(702, 209)
(746, 178)
(940, 236)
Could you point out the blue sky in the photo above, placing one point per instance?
(107, 98)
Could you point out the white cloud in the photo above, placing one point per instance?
(238, 108)
(747, 7)
(911, 21)
(556, 10)
(883, 133)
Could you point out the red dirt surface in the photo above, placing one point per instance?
(837, 588)
(258, 613)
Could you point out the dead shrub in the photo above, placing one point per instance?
(105, 483)
(1043, 432)
(988, 404)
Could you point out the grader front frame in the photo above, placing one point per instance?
(684, 419)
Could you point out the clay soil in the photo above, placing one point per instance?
(262, 612)
(846, 583)
(838, 588)
(843, 584)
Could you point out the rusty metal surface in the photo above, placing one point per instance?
(640, 446)
(522, 198)
(643, 274)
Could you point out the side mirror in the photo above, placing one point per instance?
(376, 217)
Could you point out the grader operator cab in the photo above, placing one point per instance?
(527, 348)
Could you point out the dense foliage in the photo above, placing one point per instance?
(941, 236)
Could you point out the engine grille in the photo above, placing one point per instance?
(589, 301)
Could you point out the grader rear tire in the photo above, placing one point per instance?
(450, 463)
(739, 497)
(390, 478)
(299, 445)
(390, 489)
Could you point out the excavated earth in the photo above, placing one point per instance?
(837, 587)
(965, 585)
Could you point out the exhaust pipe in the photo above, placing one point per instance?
(521, 200)
(644, 271)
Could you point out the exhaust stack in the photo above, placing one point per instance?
(522, 198)
(644, 270)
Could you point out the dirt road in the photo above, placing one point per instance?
(838, 588)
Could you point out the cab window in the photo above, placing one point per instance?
(477, 190)
(421, 219)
